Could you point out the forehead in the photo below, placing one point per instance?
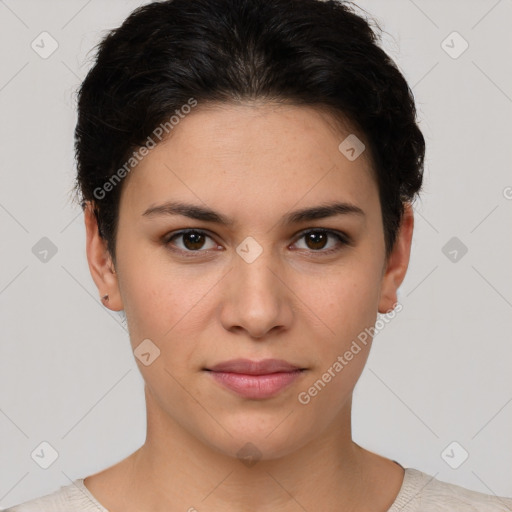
(262, 153)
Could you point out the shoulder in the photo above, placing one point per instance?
(74, 497)
(421, 492)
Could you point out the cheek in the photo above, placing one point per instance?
(157, 295)
(348, 307)
(346, 301)
(170, 307)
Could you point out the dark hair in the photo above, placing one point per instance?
(304, 52)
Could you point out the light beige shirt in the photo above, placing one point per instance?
(419, 493)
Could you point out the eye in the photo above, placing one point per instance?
(317, 239)
(192, 241)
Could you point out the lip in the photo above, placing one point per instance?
(255, 379)
(248, 367)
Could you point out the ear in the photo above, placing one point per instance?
(397, 263)
(100, 262)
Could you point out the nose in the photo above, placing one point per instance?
(256, 298)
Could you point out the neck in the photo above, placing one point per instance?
(174, 470)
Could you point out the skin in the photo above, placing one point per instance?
(253, 163)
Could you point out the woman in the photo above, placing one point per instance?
(247, 171)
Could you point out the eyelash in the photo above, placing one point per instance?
(343, 239)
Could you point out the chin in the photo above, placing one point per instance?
(249, 442)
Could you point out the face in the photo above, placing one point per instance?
(252, 278)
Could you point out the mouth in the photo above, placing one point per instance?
(249, 367)
(255, 379)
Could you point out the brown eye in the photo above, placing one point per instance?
(318, 240)
(192, 241)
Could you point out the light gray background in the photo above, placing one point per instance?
(439, 372)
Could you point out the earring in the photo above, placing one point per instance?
(105, 298)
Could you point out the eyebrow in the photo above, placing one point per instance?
(206, 214)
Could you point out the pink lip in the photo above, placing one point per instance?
(255, 379)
